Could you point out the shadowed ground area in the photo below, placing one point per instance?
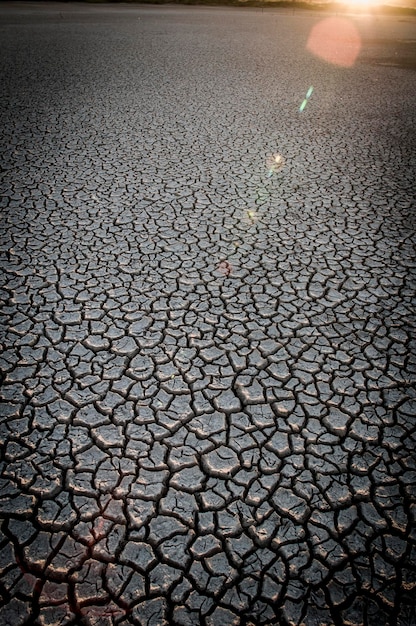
(208, 290)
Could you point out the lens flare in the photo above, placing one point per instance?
(225, 268)
(305, 102)
(335, 40)
(274, 163)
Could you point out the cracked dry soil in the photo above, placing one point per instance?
(208, 401)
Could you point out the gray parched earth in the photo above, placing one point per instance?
(208, 317)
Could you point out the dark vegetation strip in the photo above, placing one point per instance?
(332, 7)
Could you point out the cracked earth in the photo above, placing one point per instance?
(208, 401)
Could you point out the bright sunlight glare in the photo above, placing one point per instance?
(363, 4)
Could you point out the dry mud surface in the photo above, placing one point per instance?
(208, 401)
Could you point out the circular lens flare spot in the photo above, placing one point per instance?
(274, 163)
(225, 268)
(335, 40)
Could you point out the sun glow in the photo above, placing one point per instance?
(363, 5)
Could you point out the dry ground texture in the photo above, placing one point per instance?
(208, 290)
